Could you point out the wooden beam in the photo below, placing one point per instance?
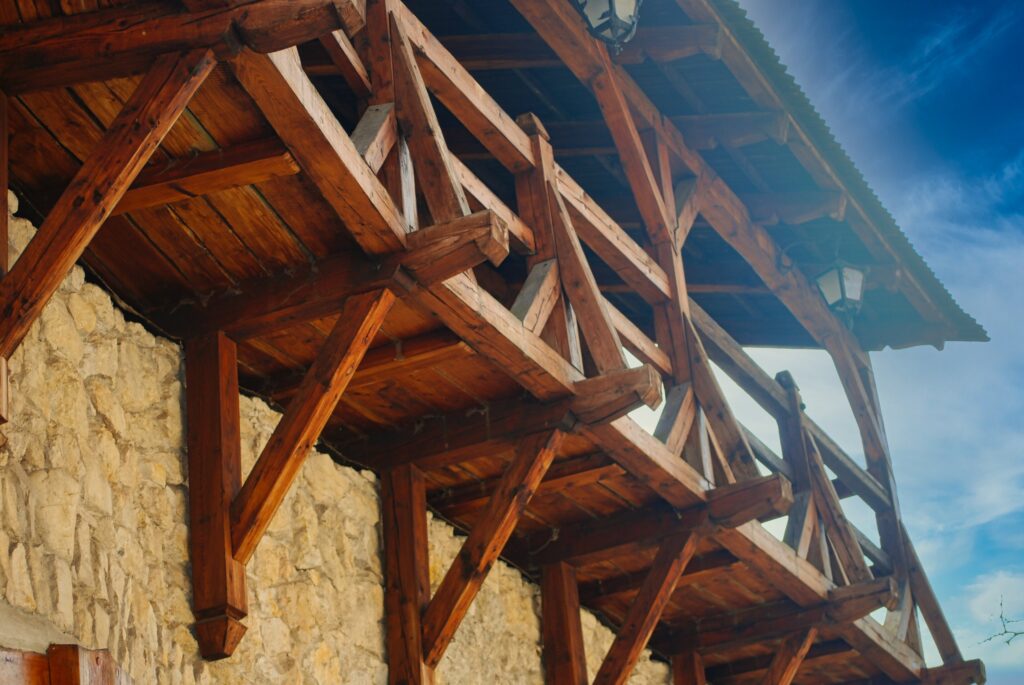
(376, 135)
(563, 476)
(346, 60)
(637, 342)
(325, 152)
(645, 611)
(520, 232)
(788, 658)
(482, 52)
(266, 304)
(964, 673)
(737, 364)
(728, 506)
(113, 43)
(447, 440)
(732, 672)
(485, 543)
(688, 669)
(729, 631)
(467, 100)
(92, 194)
(304, 419)
(214, 470)
(562, 629)
(796, 207)
(581, 287)
(406, 573)
(206, 173)
(677, 419)
(74, 665)
(931, 610)
(418, 123)
(5, 252)
(701, 568)
(538, 296)
(701, 131)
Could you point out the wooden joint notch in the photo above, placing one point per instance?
(733, 630)
(439, 252)
(733, 505)
(497, 429)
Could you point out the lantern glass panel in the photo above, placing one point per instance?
(613, 21)
(853, 283)
(830, 287)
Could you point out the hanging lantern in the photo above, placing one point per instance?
(842, 286)
(613, 21)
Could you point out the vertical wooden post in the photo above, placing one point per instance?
(214, 477)
(688, 669)
(406, 573)
(5, 182)
(564, 656)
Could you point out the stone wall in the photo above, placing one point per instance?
(93, 541)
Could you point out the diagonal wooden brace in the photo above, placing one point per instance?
(485, 543)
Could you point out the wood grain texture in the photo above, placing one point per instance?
(562, 628)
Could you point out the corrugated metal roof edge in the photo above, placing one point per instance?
(799, 106)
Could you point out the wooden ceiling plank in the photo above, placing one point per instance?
(645, 611)
(727, 672)
(304, 419)
(92, 194)
(485, 543)
(700, 569)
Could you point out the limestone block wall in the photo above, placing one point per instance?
(93, 541)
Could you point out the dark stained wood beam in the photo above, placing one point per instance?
(702, 132)
(562, 630)
(727, 672)
(789, 658)
(323, 149)
(305, 417)
(645, 611)
(74, 665)
(206, 173)
(482, 52)
(485, 543)
(563, 475)
(779, 620)
(448, 440)
(418, 123)
(124, 41)
(214, 477)
(688, 669)
(95, 190)
(5, 257)
(699, 569)
(406, 573)
(271, 303)
(728, 506)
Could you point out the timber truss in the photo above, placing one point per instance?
(536, 458)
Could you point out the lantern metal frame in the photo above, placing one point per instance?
(613, 30)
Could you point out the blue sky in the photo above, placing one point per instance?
(927, 96)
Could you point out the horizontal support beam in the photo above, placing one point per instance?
(723, 674)
(699, 569)
(774, 621)
(124, 41)
(499, 427)
(702, 132)
(267, 304)
(561, 477)
(208, 172)
(482, 52)
(727, 507)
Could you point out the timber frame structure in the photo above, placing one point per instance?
(439, 234)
